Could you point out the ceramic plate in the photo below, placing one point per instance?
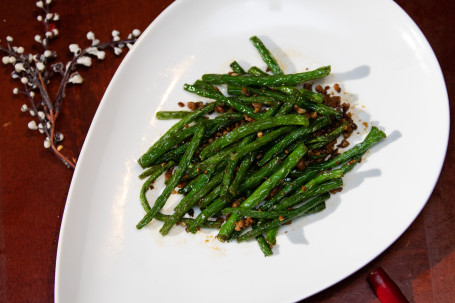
(387, 70)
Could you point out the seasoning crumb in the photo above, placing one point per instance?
(301, 111)
(337, 87)
(191, 105)
(239, 225)
(236, 203)
(181, 104)
(168, 173)
(219, 109)
(344, 143)
(336, 190)
(248, 118)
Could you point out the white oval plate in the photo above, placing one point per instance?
(394, 80)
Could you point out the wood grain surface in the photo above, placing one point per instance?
(34, 184)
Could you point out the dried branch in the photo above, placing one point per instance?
(35, 72)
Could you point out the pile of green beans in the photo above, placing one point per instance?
(252, 159)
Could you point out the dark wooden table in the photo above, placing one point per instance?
(34, 184)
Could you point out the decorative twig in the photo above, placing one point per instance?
(35, 73)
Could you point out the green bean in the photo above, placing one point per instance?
(293, 136)
(288, 101)
(310, 96)
(325, 139)
(264, 246)
(212, 162)
(270, 236)
(374, 136)
(302, 210)
(312, 189)
(146, 186)
(268, 58)
(185, 204)
(350, 165)
(168, 115)
(212, 126)
(306, 94)
(162, 145)
(256, 71)
(258, 99)
(150, 171)
(272, 111)
(153, 156)
(227, 179)
(251, 159)
(265, 139)
(175, 154)
(229, 170)
(243, 168)
(193, 183)
(271, 80)
(302, 196)
(214, 194)
(224, 194)
(207, 224)
(220, 122)
(261, 174)
(200, 192)
(199, 84)
(250, 128)
(234, 103)
(237, 68)
(175, 179)
(238, 90)
(324, 177)
(321, 109)
(286, 107)
(208, 212)
(263, 190)
(241, 91)
(272, 233)
(290, 187)
(245, 212)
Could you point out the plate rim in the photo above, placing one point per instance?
(168, 10)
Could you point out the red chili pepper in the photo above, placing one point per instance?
(386, 290)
